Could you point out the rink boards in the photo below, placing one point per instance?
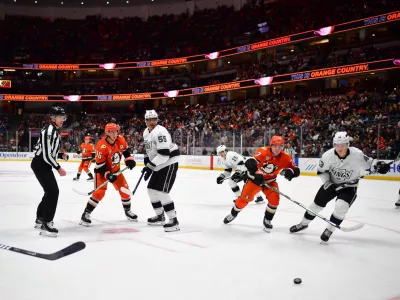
(308, 166)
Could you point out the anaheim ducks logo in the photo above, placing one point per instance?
(116, 158)
(268, 168)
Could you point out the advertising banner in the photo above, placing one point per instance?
(263, 81)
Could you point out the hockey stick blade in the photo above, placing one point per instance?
(352, 228)
(80, 192)
(71, 249)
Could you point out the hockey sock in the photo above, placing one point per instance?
(270, 212)
(308, 217)
(155, 201)
(126, 204)
(91, 205)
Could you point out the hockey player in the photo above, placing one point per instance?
(233, 160)
(109, 151)
(398, 201)
(161, 163)
(339, 169)
(88, 155)
(266, 164)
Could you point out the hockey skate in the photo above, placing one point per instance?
(47, 229)
(397, 204)
(229, 218)
(38, 223)
(85, 219)
(75, 178)
(259, 200)
(172, 225)
(90, 177)
(158, 220)
(297, 228)
(326, 235)
(267, 225)
(131, 216)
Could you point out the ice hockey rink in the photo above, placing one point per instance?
(206, 259)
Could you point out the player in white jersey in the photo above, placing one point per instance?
(339, 169)
(161, 164)
(233, 161)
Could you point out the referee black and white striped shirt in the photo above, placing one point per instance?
(48, 145)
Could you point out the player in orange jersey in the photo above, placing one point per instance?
(266, 164)
(88, 155)
(109, 151)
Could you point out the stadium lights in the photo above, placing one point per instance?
(35, 2)
(62, 3)
(82, 3)
(127, 2)
(108, 2)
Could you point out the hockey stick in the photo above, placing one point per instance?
(126, 191)
(71, 249)
(344, 229)
(99, 187)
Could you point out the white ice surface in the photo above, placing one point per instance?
(206, 259)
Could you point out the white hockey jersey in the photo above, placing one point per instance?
(348, 170)
(159, 147)
(234, 161)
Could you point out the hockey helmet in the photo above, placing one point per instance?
(341, 137)
(57, 111)
(277, 140)
(220, 149)
(150, 114)
(111, 127)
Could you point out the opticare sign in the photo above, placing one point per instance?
(294, 38)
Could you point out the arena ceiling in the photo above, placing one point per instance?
(86, 3)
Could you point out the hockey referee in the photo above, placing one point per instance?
(46, 153)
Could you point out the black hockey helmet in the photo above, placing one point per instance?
(57, 111)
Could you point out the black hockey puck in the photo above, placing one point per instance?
(297, 280)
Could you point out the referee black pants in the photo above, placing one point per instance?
(44, 174)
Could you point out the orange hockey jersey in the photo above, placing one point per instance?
(271, 166)
(87, 150)
(110, 155)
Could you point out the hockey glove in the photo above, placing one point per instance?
(258, 179)
(147, 173)
(237, 177)
(289, 173)
(381, 167)
(110, 176)
(130, 162)
(78, 151)
(220, 179)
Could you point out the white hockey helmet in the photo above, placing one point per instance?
(341, 137)
(151, 114)
(220, 149)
